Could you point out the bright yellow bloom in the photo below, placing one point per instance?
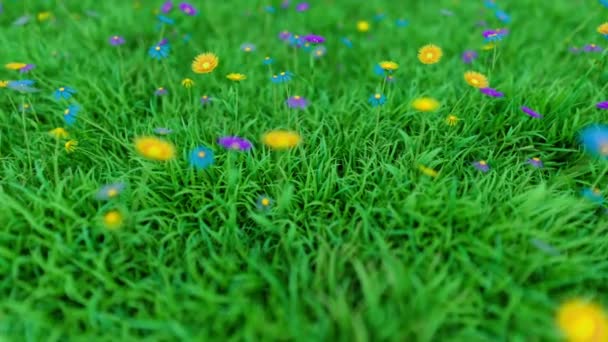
(389, 65)
(430, 54)
(362, 26)
(44, 16)
(70, 146)
(475, 79)
(452, 120)
(187, 83)
(15, 66)
(236, 77)
(154, 149)
(113, 219)
(281, 140)
(428, 171)
(581, 321)
(3, 84)
(603, 29)
(205, 63)
(425, 104)
(59, 133)
(489, 46)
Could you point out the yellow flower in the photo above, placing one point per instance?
(475, 79)
(205, 63)
(59, 133)
(70, 146)
(428, 171)
(113, 219)
(154, 149)
(603, 29)
(236, 77)
(389, 65)
(430, 54)
(452, 120)
(281, 140)
(362, 26)
(15, 66)
(582, 321)
(3, 84)
(489, 46)
(43, 16)
(425, 104)
(187, 83)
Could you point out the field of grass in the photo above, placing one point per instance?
(359, 244)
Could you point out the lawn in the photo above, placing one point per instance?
(380, 224)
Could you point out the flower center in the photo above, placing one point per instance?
(283, 73)
(67, 111)
(265, 202)
(377, 96)
(115, 37)
(157, 48)
(482, 162)
(475, 81)
(296, 97)
(429, 55)
(206, 65)
(61, 89)
(235, 145)
(202, 154)
(112, 192)
(604, 149)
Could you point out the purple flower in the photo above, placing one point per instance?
(167, 7)
(592, 48)
(160, 91)
(116, 40)
(27, 68)
(390, 78)
(314, 39)
(494, 35)
(284, 35)
(469, 56)
(536, 162)
(602, 105)
(574, 49)
(205, 100)
(187, 8)
(302, 7)
(285, 4)
(530, 112)
(235, 143)
(491, 92)
(297, 102)
(163, 42)
(481, 166)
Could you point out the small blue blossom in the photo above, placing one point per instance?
(165, 20)
(201, 157)
(264, 203)
(159, 51)
(269, 9)
(348, 42)
(64, 93)
(593, 194)
(376, 100)
(24, 86)
(401, 23)
(502, 16)
(282, 77)
(595, 140)
(69, 115)
(378, 70)
(267, 61)
(295, 41)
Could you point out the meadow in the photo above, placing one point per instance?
(367, 214)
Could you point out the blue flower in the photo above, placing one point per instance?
(24, 86)
(595, 140)
(502, 16)
(269, 9)
(295, 41)
(267, 60)
(201, 157)
(64, 93)
(159, 51)
(282, 77)
(165, 20)
(491, 4)
(378, 70)
(604, 2)
(401, 23)
(264, 203)
(109, 191)
(593, 194)
(376, 100)
(69, 115)
(319, 51)
(348, 42)
(379, 16)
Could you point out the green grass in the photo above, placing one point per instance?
(359, 245)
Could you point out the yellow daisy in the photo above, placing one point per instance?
(205, 63)
(475, 79)
(236, 77)
(389, 65)
(3, 84)
(430, 54)
(70, 146)
(362, 26)
(428, 171)
(44, 16)
(281, 140)
(15, 66)
(187, 83)
(59, 133)
(582, 321)
(603, 29)
(425, 104)
(113, 219)
(452, 120)
(154, 149)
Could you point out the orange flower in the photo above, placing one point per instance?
(430, 54)
(475, 79)
(205, 63)
(154, 149)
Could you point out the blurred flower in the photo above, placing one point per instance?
(481, 166)
(490, 4)
(235, 143)
(502, 16)
(604, 2)
(592, 48)
(574, 49)
(201, 157)
(536, 162)
(154, 148)
(297, 102)
(530, 112)
(388, 66)
(269, 9)
(425, 104)
(401, 23)
(284, 35)
(70, 146)
(378, 70)
(469, 56)
(390, 78)
(64, 93)
(247, 47)
(159, 51)
(282, 77)
(187, 83)
(451, 120)
(593, 194)
(163, 130)
(187, 8)
(205, 63)
(446, 12)
(295, 41)
(44, 16)
(69, 115)
(475, 79)
(281, 140)
(582, 321)
(109, 191)
(59, 133)
(22, 86)
(489, 46)
(116, 40)
(319, 51)
(491, 92)
(236, 77)
(602, 105)
(206, 100)
(314, 39)
(494, 35)
(428, 171)
(22, 20)
(166, 7)
(347, 42)
(603, 28)
(165, 20)
(27, 68)
(113, 220)
(545, 247)
(302, 7)
(595, 140)
(430, 54)
(376, 100)
(362, 26)
(15, 66)
(264, 203)
(160, 91)
(267, 61)
(26, 107)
